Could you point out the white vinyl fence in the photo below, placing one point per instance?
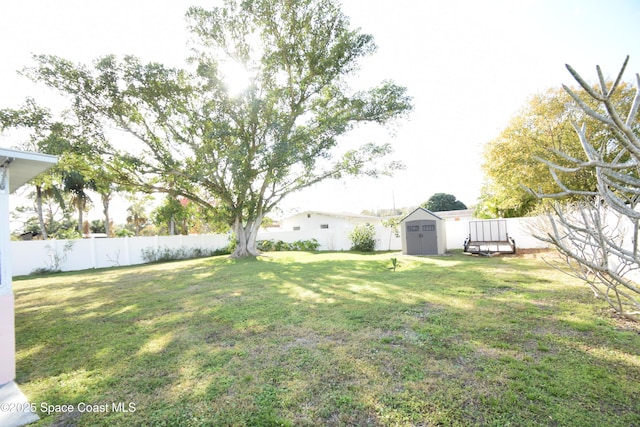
(82, 254)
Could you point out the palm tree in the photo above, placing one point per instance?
(76, 184)
(138, 216)
(46, 191)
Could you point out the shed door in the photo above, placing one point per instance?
(422, 237)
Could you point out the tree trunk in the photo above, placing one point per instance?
(43, 228)
(106, 198)
(246, 236)
(49, 225)
(80, 219)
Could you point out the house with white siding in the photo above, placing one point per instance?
(331, 229)
(315, 220)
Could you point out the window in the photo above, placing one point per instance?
(296, 228)
(324, 226)
(413, 228)
(429, 227)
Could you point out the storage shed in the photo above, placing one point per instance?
(423, 233)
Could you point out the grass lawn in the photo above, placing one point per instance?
(325, 339)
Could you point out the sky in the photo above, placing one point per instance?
(470, 66)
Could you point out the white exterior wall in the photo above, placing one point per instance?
(311, 221)
(7, 301)
(17, 168)
(336, 237)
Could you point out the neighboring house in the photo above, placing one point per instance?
(457, 225)
(423, 233)
(314, 220)
(459, 215)
(332, 230)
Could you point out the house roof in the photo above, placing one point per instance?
(23, 166)
(456, 213)
(420, 209)
(336, 215)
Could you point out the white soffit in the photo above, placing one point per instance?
(24, 166)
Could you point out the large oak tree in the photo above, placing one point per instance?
(239, 154)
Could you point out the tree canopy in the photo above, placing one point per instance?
(239, 154)
(542, 129)
(46, 134)
(443, 202)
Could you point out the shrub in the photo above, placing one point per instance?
(298, 245)
(265, 245)
(362, 238)
(281, 246)
(150, 255)
(222, 251)
(305, 245)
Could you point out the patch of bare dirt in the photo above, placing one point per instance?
(534, 253)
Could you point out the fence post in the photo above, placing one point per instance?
(55, 251)
(127, 250)
(94, 256)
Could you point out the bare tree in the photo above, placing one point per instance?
(598, 235)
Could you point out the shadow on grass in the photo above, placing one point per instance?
(325, 339)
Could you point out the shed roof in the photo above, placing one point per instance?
(421, 209)
(24, 165)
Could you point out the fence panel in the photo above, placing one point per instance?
(520, 230)
(456, 231)
(29, 255)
